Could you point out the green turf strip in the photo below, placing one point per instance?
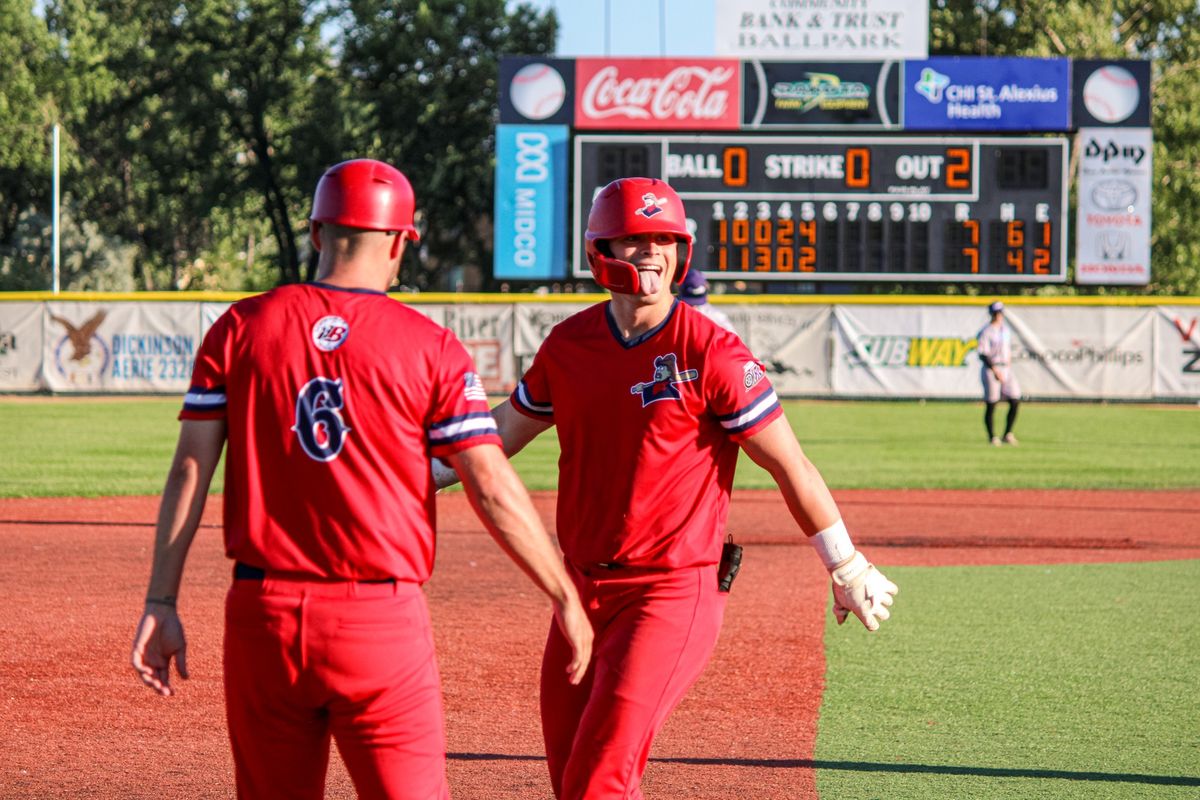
(1064, 681)
(107, 446)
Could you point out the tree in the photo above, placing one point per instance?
(1167, 31)
(425, 76)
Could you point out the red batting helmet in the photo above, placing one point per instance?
(365, 193)
(630, 206)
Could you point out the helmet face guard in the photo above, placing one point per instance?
(630, 206)
(366, 194)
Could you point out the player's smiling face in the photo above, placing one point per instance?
(654, 255)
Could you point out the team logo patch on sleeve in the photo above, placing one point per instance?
(666, 376)
(329, 333)
(752, 373)
(473, 387)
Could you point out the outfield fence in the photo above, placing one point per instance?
(856, 346)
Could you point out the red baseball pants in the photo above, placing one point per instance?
(655, 632)
(307, 660)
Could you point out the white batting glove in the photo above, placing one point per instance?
(861, 589)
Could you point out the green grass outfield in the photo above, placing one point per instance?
(1005, 682)
(91, 447)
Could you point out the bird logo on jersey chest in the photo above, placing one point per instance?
(664, 385)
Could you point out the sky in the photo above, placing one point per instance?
(635, 27)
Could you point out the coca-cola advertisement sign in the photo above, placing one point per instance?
(658, 93)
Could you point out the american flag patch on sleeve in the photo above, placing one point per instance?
(473, 387)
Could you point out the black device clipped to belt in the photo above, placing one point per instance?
(731, 562)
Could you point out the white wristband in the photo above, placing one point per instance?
(833, 544)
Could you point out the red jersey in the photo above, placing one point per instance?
(335, 400)
(649, 431)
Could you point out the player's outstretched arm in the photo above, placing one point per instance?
(503, 504)
(858, 587)
(516, 431)
(159, 637)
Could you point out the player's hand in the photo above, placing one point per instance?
(861, 589)
(158, 639)
(573, 622)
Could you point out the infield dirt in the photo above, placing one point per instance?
(77, 723)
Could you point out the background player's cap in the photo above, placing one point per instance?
(996, 307)
(368, 194)
(694, 289)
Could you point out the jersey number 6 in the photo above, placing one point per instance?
(319, 422)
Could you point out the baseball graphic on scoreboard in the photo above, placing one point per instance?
(537, 91)
(1111, 94)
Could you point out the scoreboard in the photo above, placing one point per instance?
(948, 209)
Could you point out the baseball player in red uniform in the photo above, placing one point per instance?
(999, 382)
(332, 398)
(651, 400)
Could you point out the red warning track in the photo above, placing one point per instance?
(76, 723)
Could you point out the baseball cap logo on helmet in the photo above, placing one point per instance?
(367, 194)
(627, 207)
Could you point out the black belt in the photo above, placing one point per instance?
(246, 572)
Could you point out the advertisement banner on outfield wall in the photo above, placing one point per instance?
(1112, 226)
(119, 347)
(1077, 351)
(533, 324)
(792, 341)
(210, 313)
(906, 351)
(20, 347)
(487, 332)
(1177, 349)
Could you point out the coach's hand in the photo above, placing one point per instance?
(158, 639)
(861, 589)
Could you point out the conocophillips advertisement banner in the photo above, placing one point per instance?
(20, 346)
(1177, 351)
(864, 30)
(531, 202)
(947, 93)
(1112, 227)
(1083, 352)
(906, 351)
(120, 347)
(788, 94)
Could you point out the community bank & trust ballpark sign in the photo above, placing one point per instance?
(823, 30)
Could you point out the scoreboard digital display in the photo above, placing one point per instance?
(951, 209)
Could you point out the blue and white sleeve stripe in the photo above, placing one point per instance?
(199, 398)
(522, 398)
(456, 429)
(751, 415)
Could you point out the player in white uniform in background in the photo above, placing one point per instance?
(694, 291)
(995, 354)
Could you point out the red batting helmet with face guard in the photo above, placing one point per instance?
(630, 206)
(365, 193)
